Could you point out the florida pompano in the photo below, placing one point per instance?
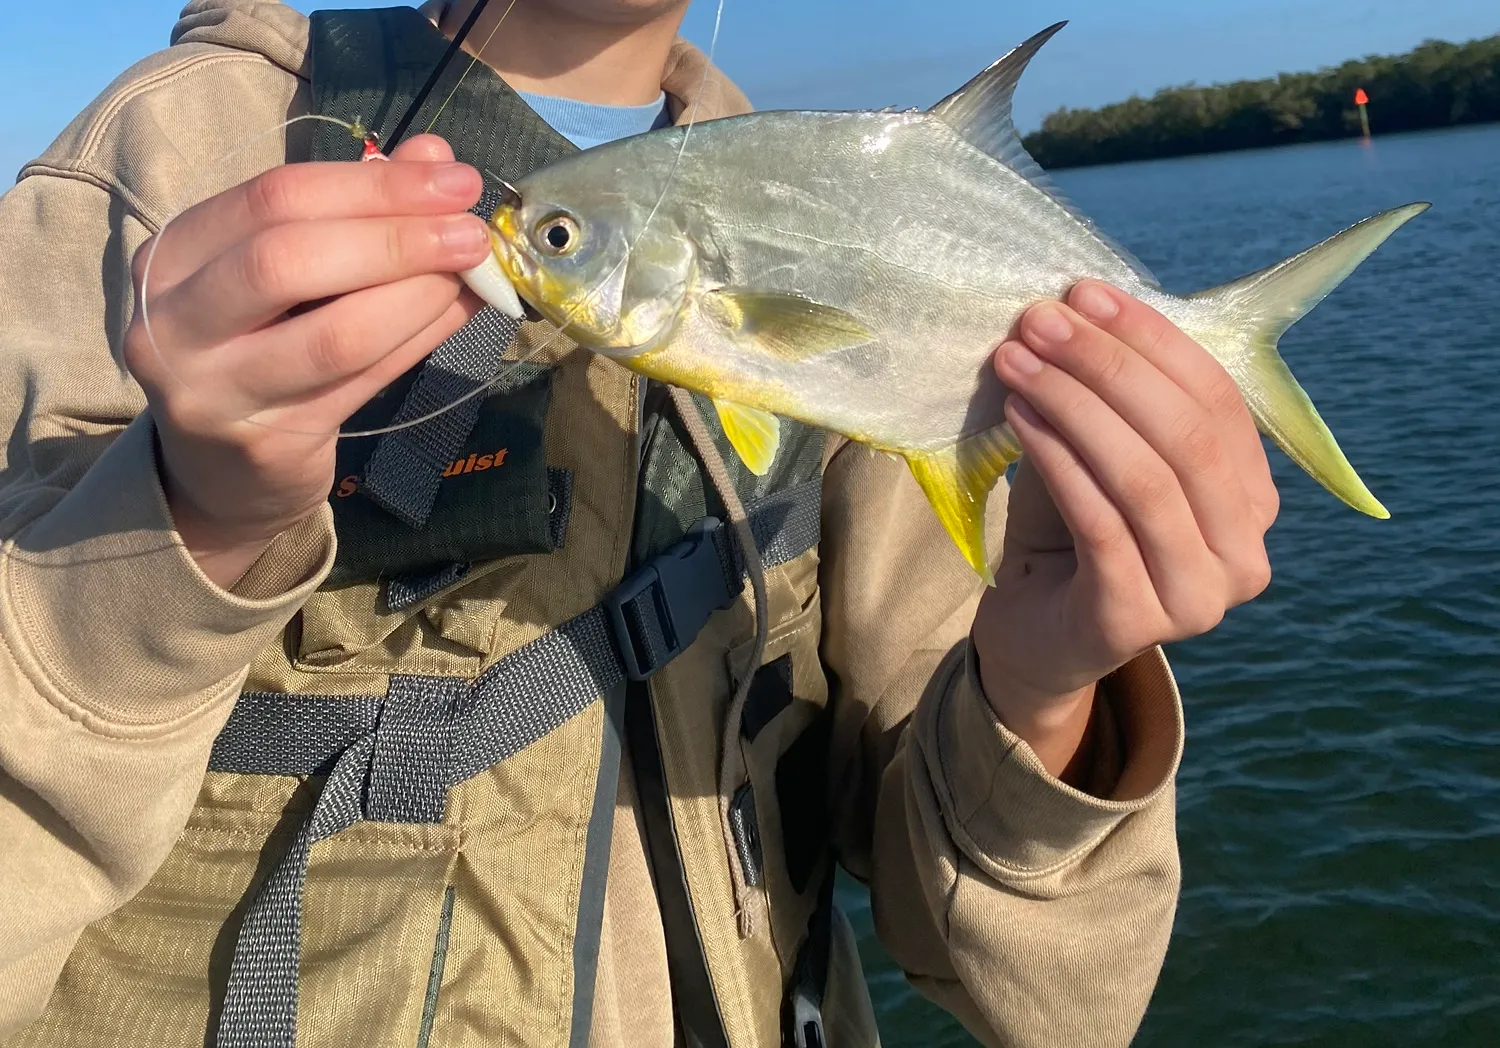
(855, 271)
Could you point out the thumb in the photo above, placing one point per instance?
(423, 147)
(1033, 522)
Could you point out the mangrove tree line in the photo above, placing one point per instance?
(1436, 85)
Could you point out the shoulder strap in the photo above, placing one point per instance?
(368, 66)
(393, 758)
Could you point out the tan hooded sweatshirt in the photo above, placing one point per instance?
(1036, 913)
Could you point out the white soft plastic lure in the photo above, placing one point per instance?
(489, 282)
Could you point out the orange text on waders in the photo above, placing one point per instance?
(475, 463)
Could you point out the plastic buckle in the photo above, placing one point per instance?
(682, 587)
(807, 1021)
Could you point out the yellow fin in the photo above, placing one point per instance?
(755, 434)
(1284, 412)
(957, 480)
(785, 326)
(1264, 305)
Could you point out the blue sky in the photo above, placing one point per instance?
(827, 53)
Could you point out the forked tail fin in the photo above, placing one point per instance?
(1260, 308)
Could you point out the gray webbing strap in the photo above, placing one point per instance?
(394, 758)
(589, 925)
(406, 590)
(405, 469)
(258, 1011)
(269, 733)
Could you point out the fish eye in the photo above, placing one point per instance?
(557, 234)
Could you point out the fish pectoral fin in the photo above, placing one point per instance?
(754, 434)
(957, 480)
(786, 326)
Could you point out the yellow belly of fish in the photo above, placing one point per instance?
(957, 480)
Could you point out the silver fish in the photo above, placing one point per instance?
(855, 271)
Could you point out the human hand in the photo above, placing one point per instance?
(281, 306)
(1138, 515)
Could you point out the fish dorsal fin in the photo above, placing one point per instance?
(957, 480)
(980, 111)
(754, 434)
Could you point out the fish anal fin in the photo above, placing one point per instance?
(957, 481)
(754, 434)
(786, 326)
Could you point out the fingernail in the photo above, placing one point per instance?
(453, 180)
(1094, 302)
(1048, 326)
(464, 233)
(1022, 359)
(1025, 411)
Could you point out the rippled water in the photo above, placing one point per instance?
(1340, 796)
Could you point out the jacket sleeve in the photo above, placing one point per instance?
(119, 659)
(1035, 913)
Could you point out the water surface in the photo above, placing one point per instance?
(1339, 801)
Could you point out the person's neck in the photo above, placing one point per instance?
(546, 50)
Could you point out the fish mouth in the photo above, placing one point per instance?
(566, 308)
(573, 311)
(521, 271)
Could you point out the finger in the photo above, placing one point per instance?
(333, 343)
(1193, 369)
(306, 193)
(339, 400)
(1179, 429)
(1103, 540)
(353, 395)
(261, 278)
(1135, 478)
(1032, 519)
(426, 147)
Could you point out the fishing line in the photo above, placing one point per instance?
(473, 61)
(359, 132)
(592, 296)
(437, 71)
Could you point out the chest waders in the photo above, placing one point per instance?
(377, 854)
